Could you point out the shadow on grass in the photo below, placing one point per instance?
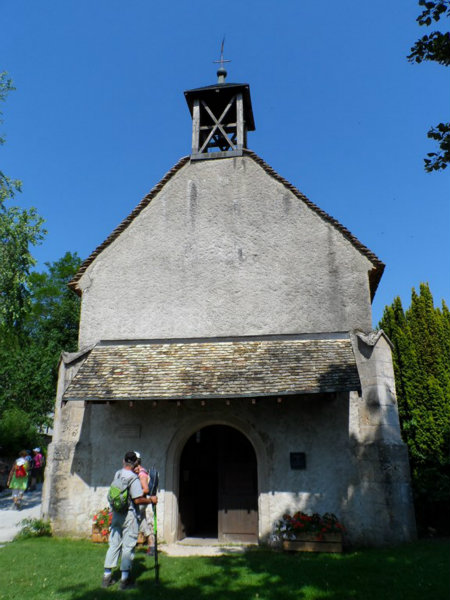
(266, 575)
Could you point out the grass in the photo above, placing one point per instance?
(62, 569)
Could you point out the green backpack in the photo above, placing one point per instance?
(119, 496)
(118, 499)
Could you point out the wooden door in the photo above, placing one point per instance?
(238, 491)
(218, 486)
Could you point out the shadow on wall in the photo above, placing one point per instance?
(374, 501)
(364, 482)
(107, 432)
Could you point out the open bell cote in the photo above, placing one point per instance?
(221, 117)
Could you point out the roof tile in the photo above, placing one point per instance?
(144, 371)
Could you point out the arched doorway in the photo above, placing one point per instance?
(218, 486)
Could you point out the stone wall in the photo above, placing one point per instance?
(224, 249)
(379, 500)
(82, 471)
(356, 465)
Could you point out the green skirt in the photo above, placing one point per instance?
(18, 483)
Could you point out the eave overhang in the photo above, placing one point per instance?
(219, 368)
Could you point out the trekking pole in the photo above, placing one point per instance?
(153, 487)
(155, 533)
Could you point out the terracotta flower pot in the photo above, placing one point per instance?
(313, 542)
(142, 539)
(97, 536)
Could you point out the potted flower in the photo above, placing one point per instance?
(310, 533)
(101, 522)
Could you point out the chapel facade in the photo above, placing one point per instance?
(226, 334)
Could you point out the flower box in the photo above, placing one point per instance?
(310, 542)
(100, 537)
(310, 533)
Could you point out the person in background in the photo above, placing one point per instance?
(37, 469)
(146, 514)
(18, 479)
(29, 459)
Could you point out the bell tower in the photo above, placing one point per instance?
(221, 117)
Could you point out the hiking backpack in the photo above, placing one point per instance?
(153, 477)
(20, 471)
(118, 495)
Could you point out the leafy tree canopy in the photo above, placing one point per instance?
(38, 316)
(8, 186)
(29, 369)
(17, 431)
(434, 47)
(19, 230)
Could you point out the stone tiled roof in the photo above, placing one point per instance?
(374, 275)
(145, 371)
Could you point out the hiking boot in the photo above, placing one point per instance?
(107, 581)
(126, 584)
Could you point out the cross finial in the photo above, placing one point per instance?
(221, 71)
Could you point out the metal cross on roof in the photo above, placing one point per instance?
(221, 71)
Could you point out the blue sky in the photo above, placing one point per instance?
(99, 116)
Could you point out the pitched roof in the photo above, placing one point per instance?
(210, 369)
(374, 275)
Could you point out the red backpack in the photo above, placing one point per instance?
(20, 471)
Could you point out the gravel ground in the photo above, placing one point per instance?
(31, 509)
(201, 547)
(10, 516)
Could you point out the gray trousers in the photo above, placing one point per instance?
(122, 540)
(146, 519)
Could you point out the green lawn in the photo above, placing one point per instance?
(61, 569)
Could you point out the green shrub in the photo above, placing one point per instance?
(34, 528)
(17, 431)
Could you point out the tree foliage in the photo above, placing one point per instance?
(17, 431)
(434, 47)
(8, 186)
(19, 230)
(38, 317)
(28, 370)
(421, 353)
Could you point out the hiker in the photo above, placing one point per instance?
(18, 479)
(37, 469)
(29, 459)
(125, 521)
(146, 514)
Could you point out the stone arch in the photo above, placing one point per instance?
(172, 474)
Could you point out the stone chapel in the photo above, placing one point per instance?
(226, 334)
